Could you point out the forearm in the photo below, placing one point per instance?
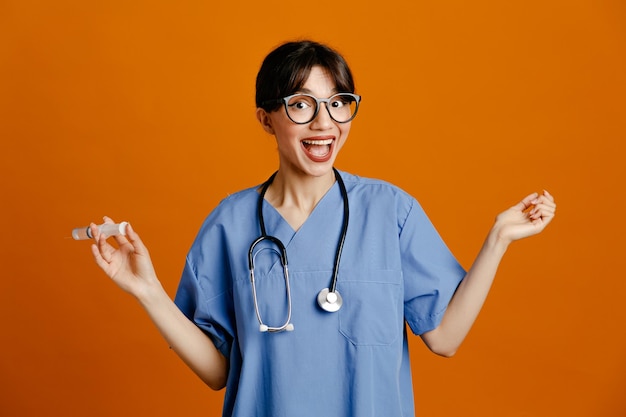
(186, 339)
(468, 299)
(527, 218)
(130, 267)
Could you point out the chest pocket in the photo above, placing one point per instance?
(372, 309)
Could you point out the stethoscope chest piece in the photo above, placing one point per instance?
(329, 301)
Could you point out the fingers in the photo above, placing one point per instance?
(120, 239)
(104, 248)
(545, 208)
(96, 255)
(540, 208)
(95, 231)
(135, 240)
(534, 199)
(548, 195)
(101, 249)
(101, 253)
(526, 202)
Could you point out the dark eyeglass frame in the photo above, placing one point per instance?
(319, 101)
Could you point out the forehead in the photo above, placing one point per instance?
(319, 81)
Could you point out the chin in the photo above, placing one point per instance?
(321, 170)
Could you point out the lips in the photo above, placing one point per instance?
(318, 150)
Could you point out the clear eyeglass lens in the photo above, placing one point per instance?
(302, 108)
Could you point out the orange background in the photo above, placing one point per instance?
(144, 111)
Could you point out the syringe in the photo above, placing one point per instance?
(107, 229)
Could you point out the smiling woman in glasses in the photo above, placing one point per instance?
(296, 292)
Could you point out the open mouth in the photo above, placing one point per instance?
(318, 150)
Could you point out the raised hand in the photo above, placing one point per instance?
(528, 217)
(129, 265)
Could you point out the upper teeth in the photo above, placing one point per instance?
(318, 142)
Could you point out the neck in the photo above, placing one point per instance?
(295, 196)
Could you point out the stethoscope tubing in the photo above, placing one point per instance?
(344, 231)
(327, 303)
(283, 259)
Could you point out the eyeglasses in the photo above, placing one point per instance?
(303, 108)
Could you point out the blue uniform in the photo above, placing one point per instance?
(395, 269)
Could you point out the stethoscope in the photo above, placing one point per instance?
(328, 299)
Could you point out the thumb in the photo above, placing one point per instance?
(526, 202)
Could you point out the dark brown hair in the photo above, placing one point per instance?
(285, 70)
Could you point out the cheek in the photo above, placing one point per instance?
(287, 136)
(344, 130)
(281, 126)
(285, 126)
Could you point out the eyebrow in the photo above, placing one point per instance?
(307, 91)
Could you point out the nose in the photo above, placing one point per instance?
(322, 119)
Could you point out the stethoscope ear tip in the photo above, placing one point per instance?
(263, 328)
(289, 327)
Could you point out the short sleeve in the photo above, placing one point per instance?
(431, 273)
(205, 290)
(211, 314)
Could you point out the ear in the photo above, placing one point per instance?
(264, 118)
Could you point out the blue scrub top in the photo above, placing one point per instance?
(394, 269)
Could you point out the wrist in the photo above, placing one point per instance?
(497, 241)
(151, 293)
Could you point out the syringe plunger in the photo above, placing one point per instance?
(107, 229)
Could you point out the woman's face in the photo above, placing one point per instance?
(308, 149)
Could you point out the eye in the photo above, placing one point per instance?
(301, 103)
(341, 101)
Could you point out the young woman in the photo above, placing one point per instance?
(295, 293)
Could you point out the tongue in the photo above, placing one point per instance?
(318, 150)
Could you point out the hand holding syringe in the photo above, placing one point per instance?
(126, 261)
(107, 229)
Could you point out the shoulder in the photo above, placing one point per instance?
(238, 205)
(371, 184)
(234, 214)
(372, 193)
(375, 188)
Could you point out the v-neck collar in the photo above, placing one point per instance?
(277, 226)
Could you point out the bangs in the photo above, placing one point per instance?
(286, 69)
(337, 73)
